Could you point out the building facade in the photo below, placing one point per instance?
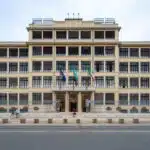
(30, 71)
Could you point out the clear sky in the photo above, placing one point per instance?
(132, 15)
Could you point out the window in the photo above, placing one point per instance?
(3, 98)
(23, 82)
(60, 50)
(37, 51)
(109, 34)
(23, 99)
(36, 66)
(85, 66)
(73, 65)
(144, 99)
(134, 83)
(37, 34)
(123, 82)
(134, 67)
(109, 99)
(99, 50)
(13, 67)
(47, 98)
(99, 66)
(123, 99)
(134, 98)
(134, 52)
(61, 65)
(13, 82)
(3, 82)
(13, 99)
(59, 82)
(123, 66)
(23, 67)
(73, 34)
(85, 34)
(23, 52)
(61, 34)
(110, 50)
(36, 82)
(47, 50)
(13, 52)
(47, 66)
(3, 52)
(73, 51)
(145, 67)
(110, 82)
(99, 82)
(99, 34)
(47, 34)
(85, 50)
(145, 52)
(123, 52)
(110, 66)
(99, 98)
(3, 67)
(47, 81)
(85, 81)
(144, 82)
(36, 98)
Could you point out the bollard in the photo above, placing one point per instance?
(121, 121)
(94, 120)
(109, 121)
(36, 120)
(78, 121)
(136, 121)
(4, 121)
(65, 121)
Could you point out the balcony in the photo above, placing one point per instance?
(71, 87)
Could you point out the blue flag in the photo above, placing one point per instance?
(63, 77)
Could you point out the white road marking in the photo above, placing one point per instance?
(76, 131)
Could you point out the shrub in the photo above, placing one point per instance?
(36, 108)
(135, 120)
(36, 120)
(108, 108)
(109, 120)
(50, 121)
(94, 120)
(2, 109)
(78, 121)
(5, 121)
(121, 121)
(22, 121)
(65, 121)
(118, 109)
(144, 110)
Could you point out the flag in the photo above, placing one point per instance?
(63, 77)
(91, 73)
(75, 77)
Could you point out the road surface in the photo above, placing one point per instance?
(75, 138)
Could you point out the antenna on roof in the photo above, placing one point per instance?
(78, 15)
(73, 15)
(68, 15)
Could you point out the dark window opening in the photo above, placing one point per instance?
(99, 66)
(99, 50)
(60, 50)
(3, 67)
(23, 52)
(37, 34)
(86, 50)
(3, 52)
(36, 66)
(145, 52)
(110, 50)
(134, 52)
(110, 66)
(110, 34)
(47, 34)
(13, 52)
(99, 34)
(85, 34)
(110, 99)
(73, 51)
(47, 66)
(123, 52)
(37, 51)
(61, 34)
(73, 34)
(123, 67)
(47, 50)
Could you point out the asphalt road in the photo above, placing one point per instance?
(74, 138)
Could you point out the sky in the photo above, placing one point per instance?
(132, 15)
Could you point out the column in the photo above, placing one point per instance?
(116, 99)
(79, 102)
(7, 102)
(92, 102)
(66, 102)
(54, 101)
(104, 99)
(18, 100)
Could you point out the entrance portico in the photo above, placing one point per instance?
(72, 100)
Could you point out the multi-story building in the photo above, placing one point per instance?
(30, 78)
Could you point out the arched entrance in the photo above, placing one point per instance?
(73, 99)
